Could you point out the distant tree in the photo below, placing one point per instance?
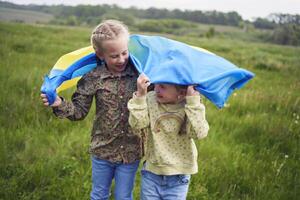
(287, 34)
(263, 23)
(72, 21)
(280, 18)
(86, 14)
(126, 18)
(275, 19)
(154, 13)
(233, 18)
(165, 26)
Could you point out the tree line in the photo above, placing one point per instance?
(285, 27)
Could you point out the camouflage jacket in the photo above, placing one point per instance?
(111, 138)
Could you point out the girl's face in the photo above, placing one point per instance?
(115, 53)
(167, 93)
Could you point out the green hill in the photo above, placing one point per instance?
(252, 151)
(26, 16)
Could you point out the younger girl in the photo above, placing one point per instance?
(171, 116)
(115, 151)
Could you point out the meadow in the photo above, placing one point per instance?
(252, 150)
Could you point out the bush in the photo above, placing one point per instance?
(165, 26)
(210, 33)
(287, 34)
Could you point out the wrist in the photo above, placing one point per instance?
(193, 100)
(58, 101)
(140, 94)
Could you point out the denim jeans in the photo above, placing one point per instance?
(158, 187)
(103, 173)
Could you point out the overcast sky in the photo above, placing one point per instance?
(248, 9)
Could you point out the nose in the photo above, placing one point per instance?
(121, 59)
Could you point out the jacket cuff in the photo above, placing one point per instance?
(61, 108)
(193, 100)
(139, 100)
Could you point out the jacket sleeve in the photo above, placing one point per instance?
(79, 106)
(138, 113)
(196, 125)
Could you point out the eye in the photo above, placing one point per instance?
(114, 56)
(125, 53)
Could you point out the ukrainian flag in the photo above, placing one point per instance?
(164, 61)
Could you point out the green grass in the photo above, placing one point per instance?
(252, 151)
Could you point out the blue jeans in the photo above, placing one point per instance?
(103, 173)
(158, 187)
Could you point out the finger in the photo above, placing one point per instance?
(141, 80)
(146, 81)
(43, 95)
(144, 77)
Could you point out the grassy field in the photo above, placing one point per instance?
(252, 151)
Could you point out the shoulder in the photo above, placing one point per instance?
(89, 81)
(151, 99)
(92, 75)
(95, 73)
(151, 96)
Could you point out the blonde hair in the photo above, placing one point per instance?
(108, 30)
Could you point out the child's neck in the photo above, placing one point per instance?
(116, 73)
(179, 101)
(169, 107)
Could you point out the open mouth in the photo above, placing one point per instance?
(121, 66)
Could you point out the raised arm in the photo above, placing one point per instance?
(197, 127)
(138, 110)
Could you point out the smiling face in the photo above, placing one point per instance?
(168, 93)
(115, 53)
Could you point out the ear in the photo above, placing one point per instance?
(100, 55)
(182, 92)
(181, 95)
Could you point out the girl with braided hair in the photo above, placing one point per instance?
(115, 150)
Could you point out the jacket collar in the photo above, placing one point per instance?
(105, 73)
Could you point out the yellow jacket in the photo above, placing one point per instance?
(170, 130)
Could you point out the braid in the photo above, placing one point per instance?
(107, 30)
